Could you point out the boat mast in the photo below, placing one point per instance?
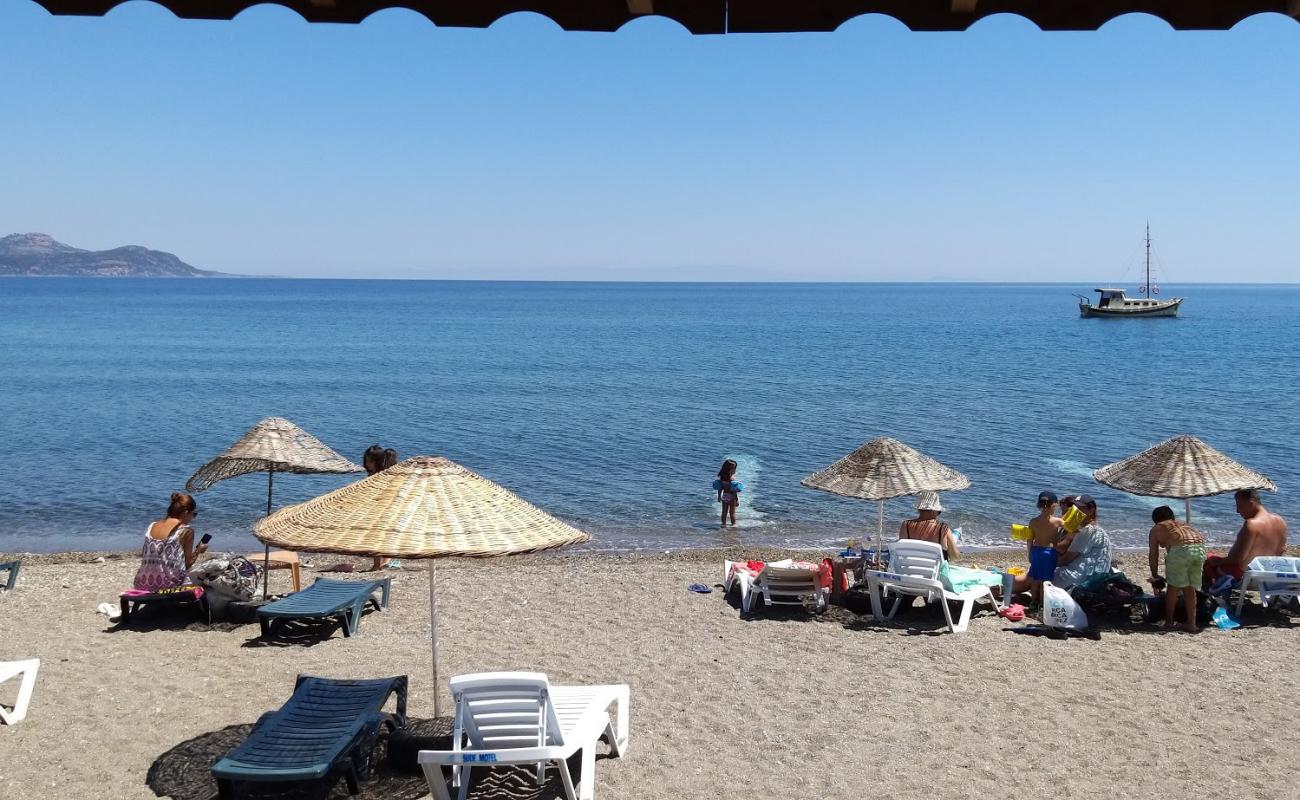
(1146, 287)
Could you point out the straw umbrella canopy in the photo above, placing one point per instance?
(883, 469)
(425, 507)
(273, 445)
(739, 16)
(1182, 467)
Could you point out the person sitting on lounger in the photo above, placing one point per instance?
(169, 550)
(1262, 534)
(927, 527)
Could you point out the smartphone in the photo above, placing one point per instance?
(207, 537)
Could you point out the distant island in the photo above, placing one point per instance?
(39, 255)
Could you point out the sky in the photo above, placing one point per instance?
(395, 148)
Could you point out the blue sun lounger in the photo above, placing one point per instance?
(12, 566)
(327, 599)
(327, 729)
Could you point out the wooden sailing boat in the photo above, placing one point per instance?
(1114, 303)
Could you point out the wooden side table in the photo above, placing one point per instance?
(282, 559)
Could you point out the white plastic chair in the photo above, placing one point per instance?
(914, 572)
(507, 718)
(27, 669)
(779, 583)
(1274, 577)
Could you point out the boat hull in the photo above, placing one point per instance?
(1169, 309)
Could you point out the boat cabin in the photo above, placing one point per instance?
(1114, 298)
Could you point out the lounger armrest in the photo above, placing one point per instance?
(489, 758)
(903, 580)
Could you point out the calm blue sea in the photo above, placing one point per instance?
(611, 405)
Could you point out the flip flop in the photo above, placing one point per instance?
(699, 588)
(1014, 612)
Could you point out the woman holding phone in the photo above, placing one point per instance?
(169, 550)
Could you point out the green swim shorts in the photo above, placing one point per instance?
(1183, 565)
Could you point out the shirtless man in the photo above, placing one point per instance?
(1262, 534)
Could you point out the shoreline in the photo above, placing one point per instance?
(768, 706)
(703, 553)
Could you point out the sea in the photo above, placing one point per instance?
(612, 405)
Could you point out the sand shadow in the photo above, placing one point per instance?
(185, 771)
(296, 633)
(304, 632)
(911, 620)
(1147, 617)
(147, 620)
(1278, 615)
(779, 613)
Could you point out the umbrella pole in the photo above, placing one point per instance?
(266, 553)
(433, 630)
(880, 531)
(1187, 509)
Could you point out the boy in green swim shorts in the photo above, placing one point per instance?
(1183, 563)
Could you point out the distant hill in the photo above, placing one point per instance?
(40, 255)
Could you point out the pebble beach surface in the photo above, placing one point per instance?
(777, 706)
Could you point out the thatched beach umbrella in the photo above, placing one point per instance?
(737, 16)
(425, 507)
(883, 469)
(272, 445)
(1182, 467)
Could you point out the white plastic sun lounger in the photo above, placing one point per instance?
(1274, 577)
(505, 718)
(914, 572)
(779, 583)
(26, 669)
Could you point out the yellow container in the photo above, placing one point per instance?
(1017, 570)
(1021, 533)
(1073, 519)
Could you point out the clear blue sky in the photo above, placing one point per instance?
(399, 149)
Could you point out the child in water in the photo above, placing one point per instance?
(728, 490)
(1046, 530)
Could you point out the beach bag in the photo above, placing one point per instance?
(228, 576)
(1060, 610)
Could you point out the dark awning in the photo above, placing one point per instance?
(741, 16)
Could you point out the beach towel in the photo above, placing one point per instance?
(962, 579)
(753, 567)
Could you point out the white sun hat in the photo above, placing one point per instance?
(928, 501)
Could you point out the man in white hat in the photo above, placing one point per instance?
(927, 526)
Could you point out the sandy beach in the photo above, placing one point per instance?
(779, 706)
